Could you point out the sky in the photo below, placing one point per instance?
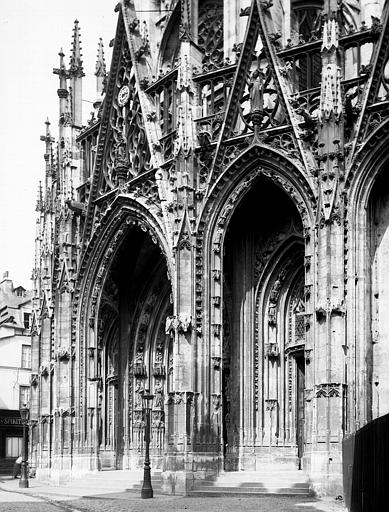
(31, 35)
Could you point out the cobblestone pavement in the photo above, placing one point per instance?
(128, 502)
(122, 503)
(47, 498)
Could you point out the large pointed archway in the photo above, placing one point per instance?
(263, 377)
(133, 351)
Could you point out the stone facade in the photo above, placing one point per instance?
(218, 234)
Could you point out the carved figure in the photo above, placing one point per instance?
(256, 91)
(138, 395)
(120, 151)
(158, 393)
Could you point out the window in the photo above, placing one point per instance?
(26, 356)
(24, 395)
(26, 320)
(13, 446)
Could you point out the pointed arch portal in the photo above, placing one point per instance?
(264, 330)
(133, 352)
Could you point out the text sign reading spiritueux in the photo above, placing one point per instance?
(10, 421)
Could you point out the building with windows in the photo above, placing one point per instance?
(217, 233)
(15, 367)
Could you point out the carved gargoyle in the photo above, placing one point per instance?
(308, 120)
(204, 140)
(244, 11)
(274, 38)
(309, 123)
(266, 5)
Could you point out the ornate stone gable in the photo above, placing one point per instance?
(371, 109)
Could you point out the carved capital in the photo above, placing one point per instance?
(181, 323)
(330, 390)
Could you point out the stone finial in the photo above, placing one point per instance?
(76, 65)
(61, 59)
(101, 75)
(101, 68)
(330, 35)
(39, 202)
(63, 75)
(61, 71)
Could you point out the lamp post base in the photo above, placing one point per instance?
(147, 490)
(23, 482)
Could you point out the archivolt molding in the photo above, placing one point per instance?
(119, 210)
(366, 166)
(263, 160)
(114, 226)
(172, 20)
(280, 269)
(267, 266)
(223, 200)
(153, 300)
(149, 345)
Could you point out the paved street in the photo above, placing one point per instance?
(46, 498)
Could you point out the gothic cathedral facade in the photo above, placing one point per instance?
(218, 233)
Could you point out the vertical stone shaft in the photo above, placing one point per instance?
(330, 382)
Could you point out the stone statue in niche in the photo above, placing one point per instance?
(256, 86)
(120, 151)
(273, 299)
(158, 395)
(138, 395)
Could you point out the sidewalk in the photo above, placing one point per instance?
(79, 496)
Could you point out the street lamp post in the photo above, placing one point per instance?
(147, 490)
(24, 414)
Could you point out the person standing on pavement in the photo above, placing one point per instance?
(17, 467)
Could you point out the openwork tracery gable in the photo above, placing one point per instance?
(258, 108)
(372, 105)
(122, 151)
(210, 32)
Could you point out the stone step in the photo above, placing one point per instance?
(119, 475)
(286, 482)
(252, 491)
(256, 483)
(257, 477)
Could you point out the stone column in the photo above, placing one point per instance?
(330, 390)
(179, 464)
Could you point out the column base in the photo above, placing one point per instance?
(325, 472)
(181, 470)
